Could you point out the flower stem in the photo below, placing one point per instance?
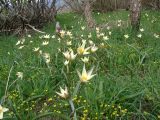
(67, 69)
(49, 68)
(77, 88)
(73, 109)
(5, 94)
(13, 83)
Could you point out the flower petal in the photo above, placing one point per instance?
(90, 77)
(90, 71)
(5, 109)
(84, 70)
(1, 115)
(59, 94)
(79, 74)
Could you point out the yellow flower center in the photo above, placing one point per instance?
(80, 50)
(1, 110)
(84, 77)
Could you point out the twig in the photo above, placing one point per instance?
(34, 28)
(60, 8)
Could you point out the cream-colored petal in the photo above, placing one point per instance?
(90, 77)
(86, 53)
(72, 55)
(5, 109)
(59, 94)
(87, 48)
(66, 90)
(1, 115)
(62, 91)
(79, 74)
(83, 45)
(84, 70)
(90, 71)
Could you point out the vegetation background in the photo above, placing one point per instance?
(34, 64)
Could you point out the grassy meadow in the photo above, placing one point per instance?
(126, 70)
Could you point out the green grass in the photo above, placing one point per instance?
(126, 85)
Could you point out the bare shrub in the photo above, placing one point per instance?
(75, 5)
(18, 16)
(155, 4)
